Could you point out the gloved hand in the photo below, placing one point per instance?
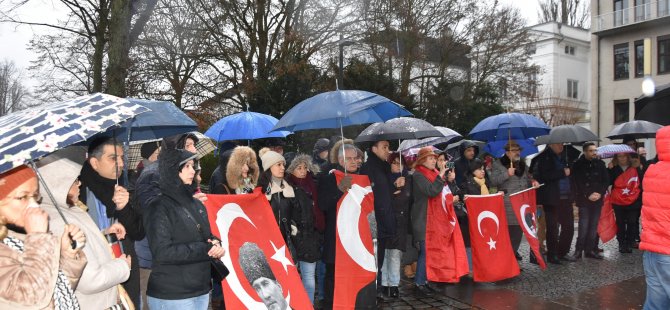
(345, 184)
(294, 230)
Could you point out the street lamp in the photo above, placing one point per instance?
(341, 44)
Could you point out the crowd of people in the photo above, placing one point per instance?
(56, 235)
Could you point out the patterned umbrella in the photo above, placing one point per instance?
(398, 129)
(610, 150)
(204, 146)
(32, 133)
(450, 136)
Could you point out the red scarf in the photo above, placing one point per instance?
(431, 175)
(626, 188)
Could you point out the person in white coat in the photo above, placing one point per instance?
(98, 287)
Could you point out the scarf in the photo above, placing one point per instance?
(102, 188)
(245, 188)
(277, 185)
(431, 175)
(482, 184)
(63, 297)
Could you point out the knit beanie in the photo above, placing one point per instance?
(12, 179)
(269, 158)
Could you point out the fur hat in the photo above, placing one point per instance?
(241, 155)
(12, 179)
(254, 264)
(269, 158)
(303, 159)
(424, 153)
(333, 151)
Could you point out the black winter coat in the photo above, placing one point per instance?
(400, 205)
(589, 176)
(285, 209)
(178, 228)
(546, 171)
(308, 240)
(329, 195)
(379, 173)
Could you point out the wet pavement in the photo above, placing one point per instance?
(617, 282)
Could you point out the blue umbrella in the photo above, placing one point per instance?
(336, 109)
(245, 126)
(507, 126)
(32, 133)
(497, 148)
(163, 120)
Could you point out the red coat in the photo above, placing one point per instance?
(656, 199)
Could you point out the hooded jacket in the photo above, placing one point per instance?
(178, 229)
(379, 173)
(218, 183)
(97, 287)
(462, 164)
(241, 155)
(655, 210)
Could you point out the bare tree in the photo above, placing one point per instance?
(12, 91)
(574, 13)
(553, 110)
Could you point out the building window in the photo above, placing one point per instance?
(573, 88)
(664, 55)
(642, 10)
(532, 85)
(620, 12)
(663, 7)
(639, 58)
(570, 50)
(620, 111)
(621, 61)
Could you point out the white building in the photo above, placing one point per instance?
(559, 94)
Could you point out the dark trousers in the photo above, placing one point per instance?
(628, 224)
(132, 285)
(515, 234)
(381, 251)
(587, 239)
(329, 286)
(560, 214)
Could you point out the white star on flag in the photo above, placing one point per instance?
(491, 243)
(280, 256)
(626, 191)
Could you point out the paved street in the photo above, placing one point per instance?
(614, 283)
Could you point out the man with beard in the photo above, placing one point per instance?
(590, 180)
(468, 151)
(510, 175)
(107, 201)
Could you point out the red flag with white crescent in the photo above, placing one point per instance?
(262, 272)
(607, 228)
(355, 262)
(626, 188)
(492, 255)
(446, 259)
(525, 210)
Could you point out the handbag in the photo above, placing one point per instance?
(219, 270)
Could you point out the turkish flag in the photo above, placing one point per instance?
(262, 272)
(492, 255)
(607, 228)
(355, 262)
(626, 188)
(525, 210)
(446, 259)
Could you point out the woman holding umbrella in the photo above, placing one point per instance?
(626, 178)
(38, 269)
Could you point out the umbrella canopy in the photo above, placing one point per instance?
(204, 146)
(610, 150)
(450, 136)
(509, 125)
(414, 152)
(32, 133)
(567, 134)
(336, 109)
(163, 119)
(245, 126)
(497, 148)
(635, 130)
(398, 129)
(655, 109)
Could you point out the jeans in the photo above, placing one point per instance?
(588, 228)
(308, 275)
(194, 303)
(320, 275)
(420, 277)
(657, 274)
(391, 267)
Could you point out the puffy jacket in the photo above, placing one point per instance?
(177, 228)
(656, 199)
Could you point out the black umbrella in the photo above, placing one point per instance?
(567, 134)
(635, 130)
(655, 109)
(400, 128)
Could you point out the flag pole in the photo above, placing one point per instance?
(525, 190)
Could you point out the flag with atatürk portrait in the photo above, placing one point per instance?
(262, 272)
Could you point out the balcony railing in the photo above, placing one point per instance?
(632, 15)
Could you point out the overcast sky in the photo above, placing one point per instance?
(14, 40)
